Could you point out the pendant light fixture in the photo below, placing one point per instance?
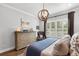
(43, 16)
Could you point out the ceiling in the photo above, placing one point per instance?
(33, 8)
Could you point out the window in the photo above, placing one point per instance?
(52, 25)
(58, 27)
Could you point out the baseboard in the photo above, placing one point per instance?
(8, 49)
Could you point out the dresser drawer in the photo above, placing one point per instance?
(22, 39)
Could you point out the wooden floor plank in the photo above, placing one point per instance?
(13, 53)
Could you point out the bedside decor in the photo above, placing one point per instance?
(43, 16)
(24, 26)
(18, 29)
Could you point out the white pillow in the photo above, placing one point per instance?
(60, 49)
(61, 46)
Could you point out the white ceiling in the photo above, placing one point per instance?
(33, 8)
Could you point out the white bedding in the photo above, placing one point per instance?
(58, 48)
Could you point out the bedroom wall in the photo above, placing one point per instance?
(76, 20)
(9, 20)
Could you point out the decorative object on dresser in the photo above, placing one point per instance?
(23, 39)
(24, 26)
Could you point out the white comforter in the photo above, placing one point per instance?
(60, 47)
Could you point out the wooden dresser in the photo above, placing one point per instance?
(22, 39)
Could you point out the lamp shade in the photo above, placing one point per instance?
(43, 14)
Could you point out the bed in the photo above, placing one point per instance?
(36, 48)
(50, 47)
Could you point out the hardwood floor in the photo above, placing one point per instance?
(13, 52)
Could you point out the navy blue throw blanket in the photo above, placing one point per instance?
(35, 48)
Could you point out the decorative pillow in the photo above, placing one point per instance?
(66, 39)
(74, 45)
(61, 49)
(61, 46)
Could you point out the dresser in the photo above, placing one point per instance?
(22, 39)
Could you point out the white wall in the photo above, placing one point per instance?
(9, 20)
(76, 20)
